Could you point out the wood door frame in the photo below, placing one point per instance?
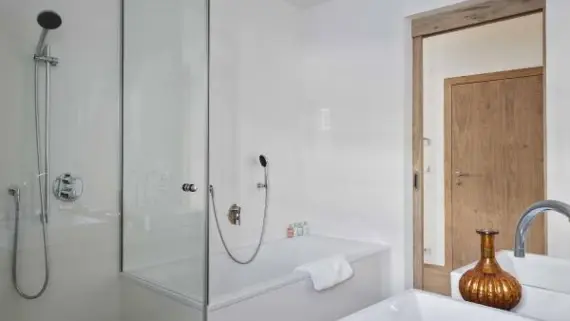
(472, 15)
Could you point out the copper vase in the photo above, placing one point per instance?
(487, 283)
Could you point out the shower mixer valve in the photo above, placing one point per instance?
(67, 188)
(234, 215)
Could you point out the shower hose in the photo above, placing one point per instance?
(262, 234)
(43, 204)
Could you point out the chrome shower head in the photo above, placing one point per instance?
(48, 20)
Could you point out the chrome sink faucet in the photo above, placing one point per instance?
(529, 215)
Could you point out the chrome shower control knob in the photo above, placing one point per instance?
(189, 188)
(67, 187)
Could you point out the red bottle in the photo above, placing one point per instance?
(290, 232)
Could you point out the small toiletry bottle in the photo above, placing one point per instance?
(299, 229)
(306, 230)
(290, 231)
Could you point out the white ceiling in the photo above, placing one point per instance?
(306, 3)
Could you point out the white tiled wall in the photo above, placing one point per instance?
(557, 129)
(303, 82)
(83, 237)
(255, 109)
(354, 75)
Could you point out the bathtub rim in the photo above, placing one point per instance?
(225, 300)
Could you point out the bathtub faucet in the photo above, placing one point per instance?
(528, 217)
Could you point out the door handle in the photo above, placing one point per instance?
(461, 174)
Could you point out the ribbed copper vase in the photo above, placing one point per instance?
(487, 283)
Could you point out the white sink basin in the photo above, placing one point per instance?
(422, 306)
(546, 286)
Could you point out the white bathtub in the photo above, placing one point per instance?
(270, 289)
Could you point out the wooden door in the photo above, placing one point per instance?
(496, 159)
(494, 163)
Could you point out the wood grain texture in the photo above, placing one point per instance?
(501, 75)
(448, 178)
(497, 140)
(473, 15)
(437, 280)
(544, 106)
(417, 146)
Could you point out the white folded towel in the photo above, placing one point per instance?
(328, 272)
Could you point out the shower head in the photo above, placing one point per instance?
(263, 160)
(48, 20)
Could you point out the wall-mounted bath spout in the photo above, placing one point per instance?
(528, 217)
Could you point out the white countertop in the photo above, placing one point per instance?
(422, 306)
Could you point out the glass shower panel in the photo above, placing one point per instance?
(165, 127)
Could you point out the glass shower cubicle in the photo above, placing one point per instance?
(165, 129)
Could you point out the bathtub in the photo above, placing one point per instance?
(270, 288)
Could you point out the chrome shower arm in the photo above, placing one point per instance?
(41, 42)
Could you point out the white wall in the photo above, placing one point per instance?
(421, 7)
(506, 45)
(557, 129)
(358, 172)
(84, 236)
(305, 83)
(254, 109)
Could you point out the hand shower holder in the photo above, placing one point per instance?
(261, 185)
